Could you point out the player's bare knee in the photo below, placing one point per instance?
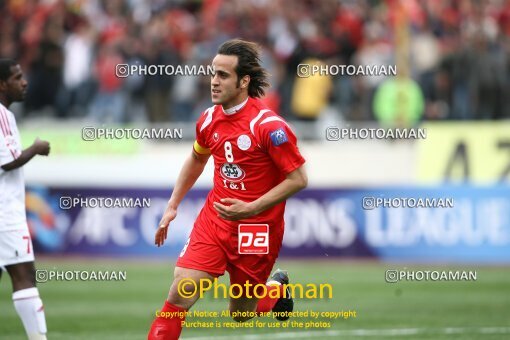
(180, 296)
(186, 287)
(29, 276)
(22, 275)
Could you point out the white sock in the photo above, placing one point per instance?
(30, 309)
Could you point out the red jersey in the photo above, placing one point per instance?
(253, 150)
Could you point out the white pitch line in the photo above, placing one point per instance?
(494, 330)
(363, 332)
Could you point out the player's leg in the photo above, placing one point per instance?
(182, 296)
(26, 299)
(16, 254)
(22, 275)
(278, 299)
(283, 303)
(239, 306)
(255, 269)
(201, 258)
(244, 307)
(184, 291)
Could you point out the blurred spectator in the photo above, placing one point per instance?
(78, 87)
(310, 94)
(489, 66)
(426, 56)
(157, 87)
(45, 75)
(375, 50)
(109, 104)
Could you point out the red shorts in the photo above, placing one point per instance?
(213, 249)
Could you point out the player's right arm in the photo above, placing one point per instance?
(191, 170)
(39, 147)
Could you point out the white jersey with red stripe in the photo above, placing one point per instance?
(12, 183)
(253, 150)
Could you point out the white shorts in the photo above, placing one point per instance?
(15, 247)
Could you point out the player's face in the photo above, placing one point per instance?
(16, 86)
(225, 89)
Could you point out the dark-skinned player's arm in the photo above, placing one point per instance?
(237, 209)
(39, 147)
(191, 170)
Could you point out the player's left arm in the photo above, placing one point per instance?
(39, 147)
(236, 209)
(280, 143)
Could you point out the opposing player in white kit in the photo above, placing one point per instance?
(16, 252)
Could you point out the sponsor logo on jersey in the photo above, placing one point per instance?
(278, 136)
(232, 172)
(253, 239)
(10, 141)
(243, 142)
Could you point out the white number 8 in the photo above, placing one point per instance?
(228, 152)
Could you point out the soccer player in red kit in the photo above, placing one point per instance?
(257, 166)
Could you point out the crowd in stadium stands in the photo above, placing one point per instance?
(458, 54)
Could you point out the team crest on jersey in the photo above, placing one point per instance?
(232, 172)
(278, 136)
(216, 136)
(243, 142)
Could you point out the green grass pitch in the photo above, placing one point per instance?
(124, 310)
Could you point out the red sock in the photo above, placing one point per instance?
(267, 303)
(167, 328)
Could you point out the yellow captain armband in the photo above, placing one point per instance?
(200, 150)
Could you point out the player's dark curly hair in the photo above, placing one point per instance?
(5, 68)
(248, 54)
